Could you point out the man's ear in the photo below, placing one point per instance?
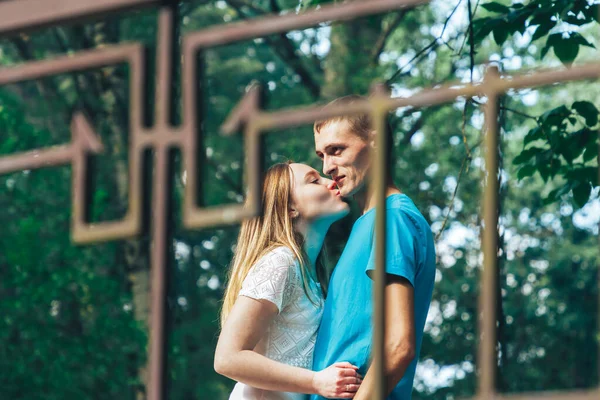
(372, 136)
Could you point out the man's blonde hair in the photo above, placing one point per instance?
(360, 124)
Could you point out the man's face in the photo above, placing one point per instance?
(345, 156)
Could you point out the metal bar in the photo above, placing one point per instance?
(598, 275)
(486, 354)
(380, 180)
(164, 72)
(83, 60)
(593, 394)
(34, 159)
(263, 26)
(161, 208)
(156, 382)
(17, 15)
(431, 97)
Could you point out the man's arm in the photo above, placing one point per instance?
(399, 337)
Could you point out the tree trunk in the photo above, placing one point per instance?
(349, 66)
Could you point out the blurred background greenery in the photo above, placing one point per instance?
(73, 318)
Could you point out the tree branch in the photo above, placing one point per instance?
(431, 46)
(381, 42)
(284, 48)
(471, 40)
(413, 129)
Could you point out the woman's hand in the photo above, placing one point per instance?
(338, 381)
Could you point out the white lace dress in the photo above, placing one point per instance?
(290, 338)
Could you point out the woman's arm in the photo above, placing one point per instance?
(235, 358)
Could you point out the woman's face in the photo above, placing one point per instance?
(315, 197)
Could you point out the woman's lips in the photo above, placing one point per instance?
(338, 193)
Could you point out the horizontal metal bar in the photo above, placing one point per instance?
(17, 15)
(564, 395)
(263, 26)
(430, 97)
(580, 394)
(81, 61)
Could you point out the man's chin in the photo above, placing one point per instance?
(347, 192)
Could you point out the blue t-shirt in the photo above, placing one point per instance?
(346, 329)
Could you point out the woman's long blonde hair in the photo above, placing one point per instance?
(272, 229)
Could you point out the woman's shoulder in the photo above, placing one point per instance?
(279, 256)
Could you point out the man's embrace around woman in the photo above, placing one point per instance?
(284, 336)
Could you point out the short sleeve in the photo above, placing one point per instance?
(270, 277)
(401, 257)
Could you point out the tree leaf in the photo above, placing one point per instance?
(526, 155)
(525, 171)
(517, 21)
(545, 50)
(552, 197)
(496, 7)
(577, 38)
(590, 153)
(566, 50)
(583, 174)
(595, 12)
(481, 28)
(534, 134)
(581, 193)
(501, 34)
(544, 170)
(555, 117)
(542, 30)
(588, 111)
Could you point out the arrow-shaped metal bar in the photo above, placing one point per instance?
(84, 141)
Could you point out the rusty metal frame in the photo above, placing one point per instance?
(19, 15)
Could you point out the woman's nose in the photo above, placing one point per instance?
(330, 184)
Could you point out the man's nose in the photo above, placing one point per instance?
(328, 167)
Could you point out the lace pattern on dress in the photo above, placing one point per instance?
(272, 278)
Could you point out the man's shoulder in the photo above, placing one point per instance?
(402, 207)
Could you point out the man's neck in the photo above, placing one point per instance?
(367, 200)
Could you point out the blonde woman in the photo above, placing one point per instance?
(273, 301)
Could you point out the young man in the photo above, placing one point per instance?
(346, 330)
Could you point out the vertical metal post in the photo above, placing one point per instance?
(486, 355)
(380, 180)
(598, 279)
(161, 208)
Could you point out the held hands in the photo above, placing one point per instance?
(338, 381)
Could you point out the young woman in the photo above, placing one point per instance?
(273, 301)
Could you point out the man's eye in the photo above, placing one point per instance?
(336, 150)
(315, 181)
